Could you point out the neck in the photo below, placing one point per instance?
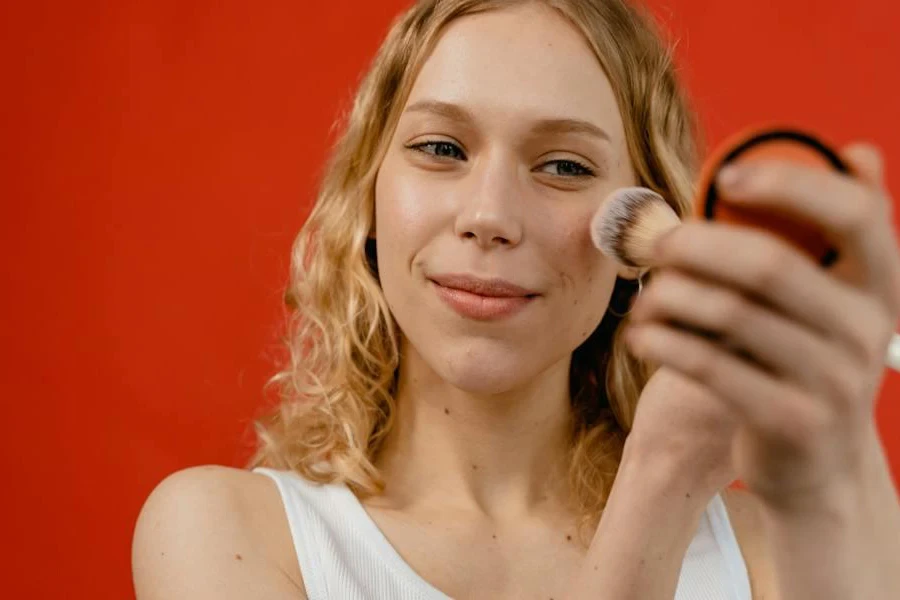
(498, 454)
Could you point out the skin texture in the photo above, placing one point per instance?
(498, 206)
(476, 500)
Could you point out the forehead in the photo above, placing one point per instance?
(527, 61)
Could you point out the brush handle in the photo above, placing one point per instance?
(892, 357)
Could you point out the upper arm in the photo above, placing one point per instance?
(199, 536)
(745, 514)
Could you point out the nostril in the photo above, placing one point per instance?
(496, 240)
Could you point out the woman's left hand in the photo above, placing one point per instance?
(800, 349)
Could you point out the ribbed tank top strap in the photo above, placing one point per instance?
(722, 530)
(305, 522)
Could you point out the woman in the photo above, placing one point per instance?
(463, 380)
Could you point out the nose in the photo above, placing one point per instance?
(490, 215)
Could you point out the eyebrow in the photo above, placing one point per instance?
(551, 126)
(453, 112)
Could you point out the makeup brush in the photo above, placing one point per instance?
(629, 222)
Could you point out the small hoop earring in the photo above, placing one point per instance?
(640, 282)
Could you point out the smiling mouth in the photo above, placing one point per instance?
(490, 288)
(482, 299)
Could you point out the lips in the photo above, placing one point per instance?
(482, 299)
(491, 288)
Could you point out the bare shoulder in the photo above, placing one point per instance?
(214, 532)
(745, 514)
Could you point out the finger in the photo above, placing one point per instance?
(771, 407)
(785, 347)
(851, 215)
(765, 267)
(866, 163)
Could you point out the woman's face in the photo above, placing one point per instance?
(508, 143)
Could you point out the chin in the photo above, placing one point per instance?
(485, 367)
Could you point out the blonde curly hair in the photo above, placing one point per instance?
(337, 392)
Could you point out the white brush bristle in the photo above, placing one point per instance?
(622, 214)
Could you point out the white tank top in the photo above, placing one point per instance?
(343, 555)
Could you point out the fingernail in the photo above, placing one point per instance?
(730, 176)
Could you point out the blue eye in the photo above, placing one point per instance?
(440, 150)
(567, 168)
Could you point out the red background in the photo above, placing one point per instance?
(159, 158)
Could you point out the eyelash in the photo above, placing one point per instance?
(422, 145)
(584, 170)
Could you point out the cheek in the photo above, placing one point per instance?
(408, 208)
(395, 206)
(585, 277)
(398, 216)
(568, 248)
(410, 211)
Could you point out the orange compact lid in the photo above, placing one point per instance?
(768, 144)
